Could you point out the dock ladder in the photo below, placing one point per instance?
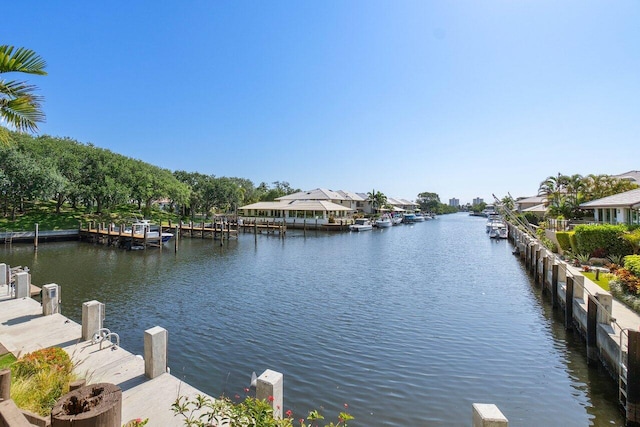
(622, 367)
(8, 237)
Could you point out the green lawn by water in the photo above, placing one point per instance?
(603, 281)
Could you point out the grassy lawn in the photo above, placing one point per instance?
(44, 214)
(604, 279)
(6, 360)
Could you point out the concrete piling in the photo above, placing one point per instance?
(92, 315)
(23, 284)
(155, 352)
(488, 415)
(50, 296)
(4, 274)
(270, 388)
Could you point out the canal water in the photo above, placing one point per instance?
(408, 325)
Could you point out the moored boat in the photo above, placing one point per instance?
(383, 222)
(361, 224)
(139, 228)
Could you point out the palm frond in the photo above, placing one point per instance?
(22, 113)
(21, 60)
(15, 89)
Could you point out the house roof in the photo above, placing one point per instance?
(298, 205)
(537, 208)
(629, 199)
(532, 200)
(316, 194)
(348, 195)
(633, 176)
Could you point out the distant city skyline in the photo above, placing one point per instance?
(465, 99)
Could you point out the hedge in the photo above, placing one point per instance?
(632, 263)
(601, 240)
(564, 239)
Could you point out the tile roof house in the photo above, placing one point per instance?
(622, 208)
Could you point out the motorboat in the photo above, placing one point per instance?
(498, 230)
(383, 222)
(418, 218)
(409, 218)
(396, 219)
(144, 227)
(361, 224)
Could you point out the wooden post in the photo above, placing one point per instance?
(592, 331)
(554, 285)
(633, 380)
(568, 307)
(175, 240)
(104, 403)
(544, 273)
(202, 230)
(74, 385)
(145, 239)
(35, 240)
(536, 260)
(5, 384)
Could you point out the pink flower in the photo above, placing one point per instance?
(271, 399)
(289, 413)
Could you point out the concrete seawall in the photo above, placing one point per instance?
(604, 323)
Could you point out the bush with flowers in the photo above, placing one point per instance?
(626, 285)
(203, 411)
(40, 378)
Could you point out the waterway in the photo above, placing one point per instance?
(408, 325)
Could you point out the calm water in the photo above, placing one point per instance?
(408, 325)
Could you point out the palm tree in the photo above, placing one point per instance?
(377, 199)
(19, 107)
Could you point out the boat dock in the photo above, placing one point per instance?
(24, 329)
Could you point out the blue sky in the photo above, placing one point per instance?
(464, 98)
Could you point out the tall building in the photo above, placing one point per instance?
(454, 202)
(478, 200)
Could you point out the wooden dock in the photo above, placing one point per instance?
(121, 236)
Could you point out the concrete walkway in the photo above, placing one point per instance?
(24, 329)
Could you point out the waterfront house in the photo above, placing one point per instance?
(534, 204)
(622, 208)
(318, 207)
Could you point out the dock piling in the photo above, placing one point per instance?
(270, 388)
(50, 299)
(92, 318)
(23, 285)
(488, 415)
(155, 352)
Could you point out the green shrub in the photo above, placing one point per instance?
(633, 238)
(601, 240)
(40, 378)
(564, 240)
(632, 263)
(573, 242)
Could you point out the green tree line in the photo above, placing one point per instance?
(84, 176)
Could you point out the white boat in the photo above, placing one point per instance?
(498, 229)
(361, 224)
(418, 218)
(383, 222)
(139, 227)
(396, 219)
